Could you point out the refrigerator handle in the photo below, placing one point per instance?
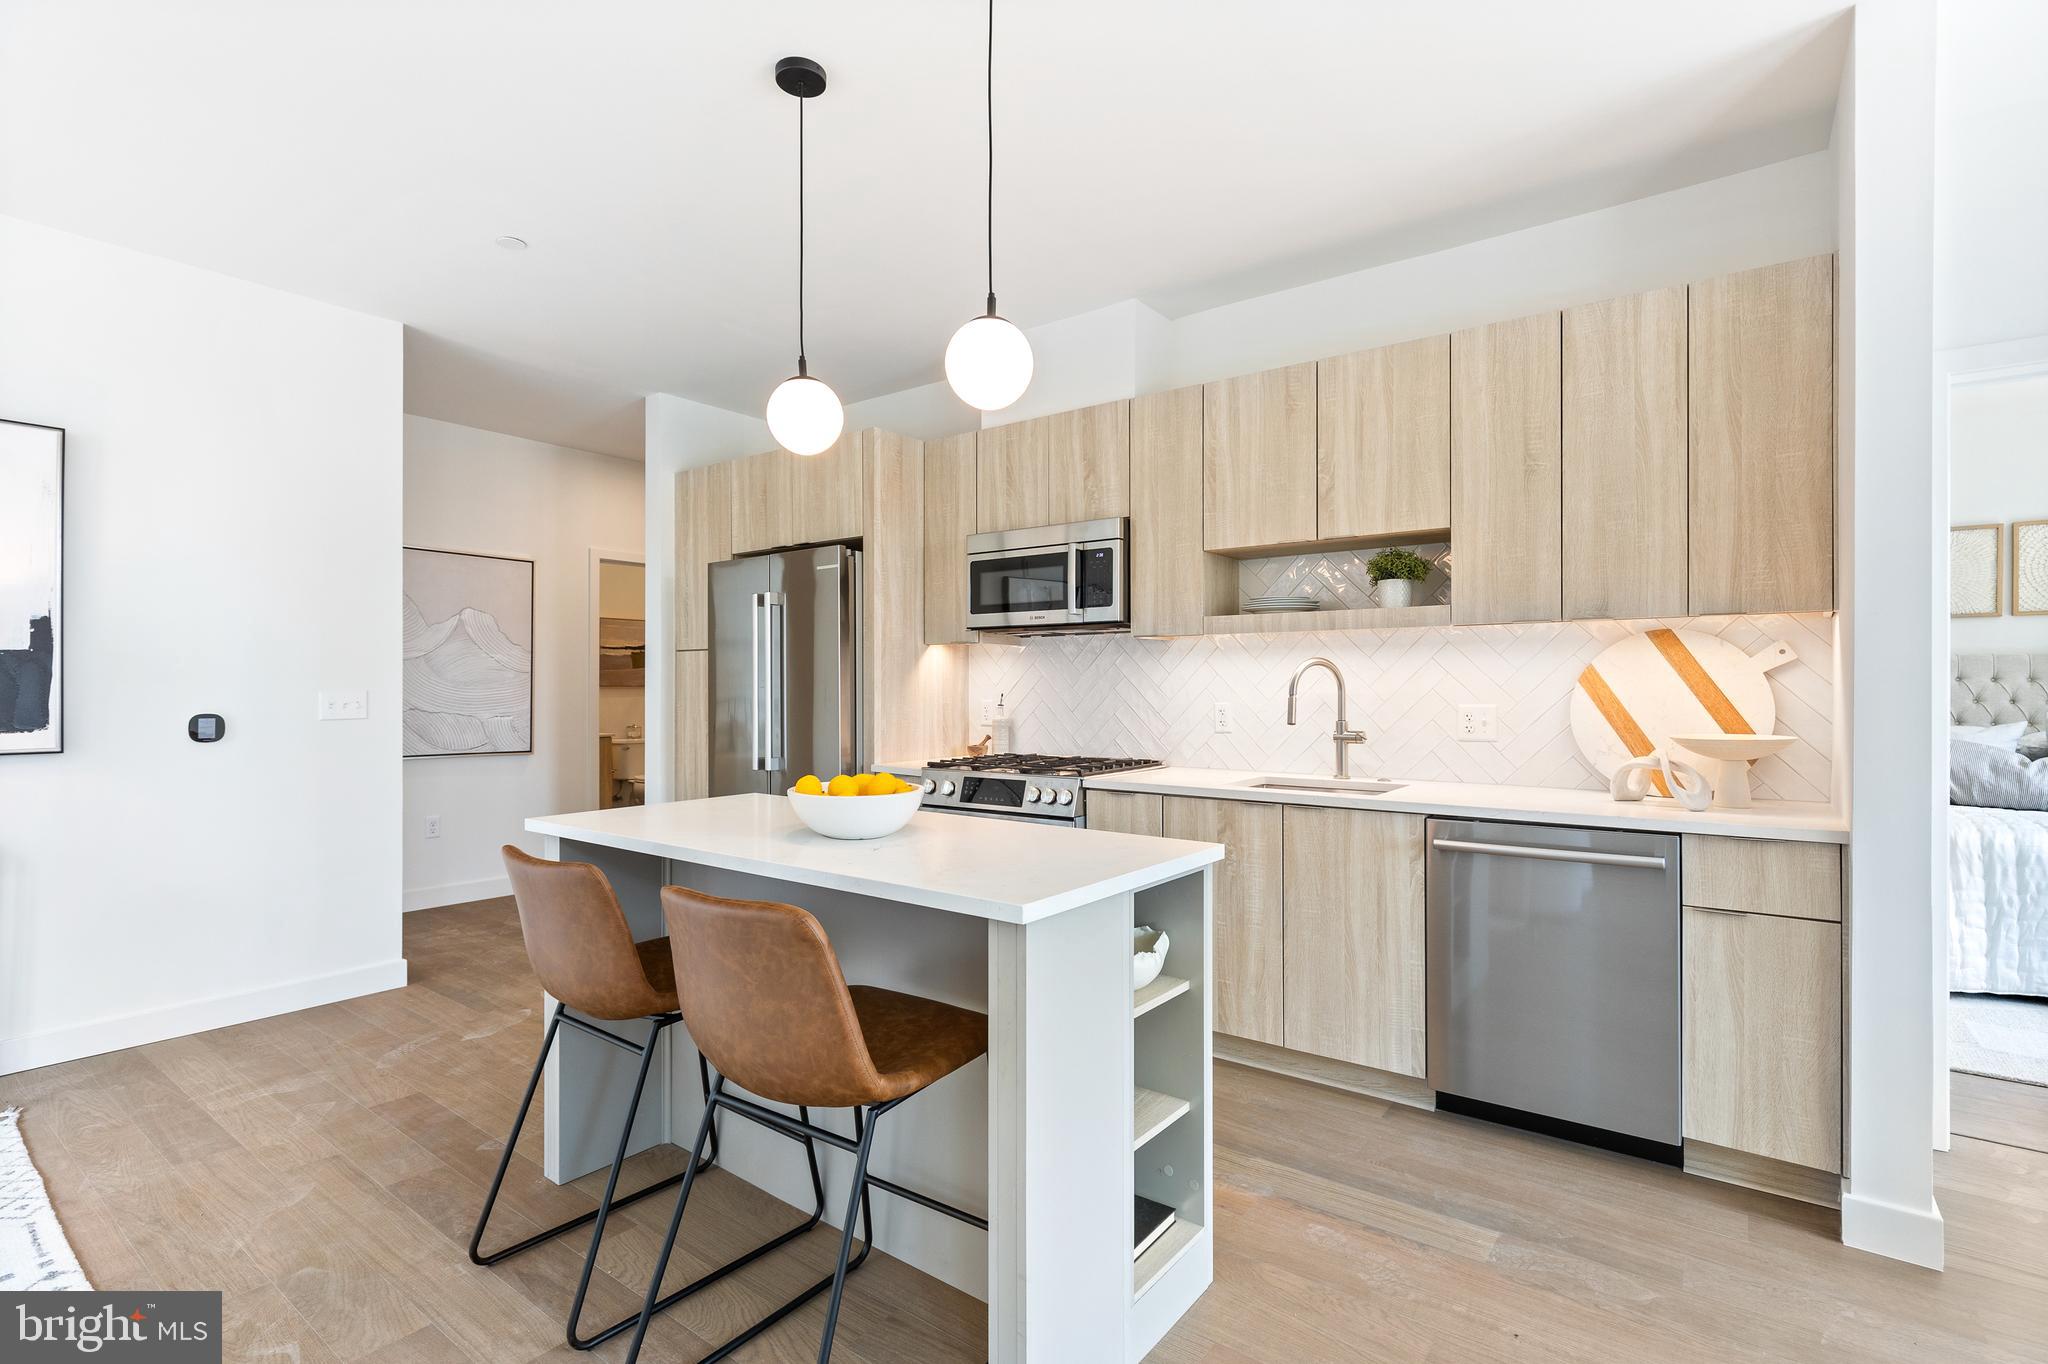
(770, 722)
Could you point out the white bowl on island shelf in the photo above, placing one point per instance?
(1148, 955)
(1728, 757)
(855, 817)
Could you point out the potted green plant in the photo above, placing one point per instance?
(1395, 573)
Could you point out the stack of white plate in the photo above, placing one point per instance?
(1260, 605)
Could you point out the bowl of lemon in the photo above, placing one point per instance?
(855, 805)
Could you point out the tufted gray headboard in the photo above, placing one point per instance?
(1997, 689)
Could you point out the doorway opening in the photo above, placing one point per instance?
(619, 678)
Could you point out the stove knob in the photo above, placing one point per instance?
(1032, 795)
(930, 785)
(1066, 797)
(945, 788)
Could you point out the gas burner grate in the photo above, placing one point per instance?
(1041, 764)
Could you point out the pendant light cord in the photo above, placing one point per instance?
(802, 362)
(991, 103)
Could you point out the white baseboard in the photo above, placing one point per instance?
(456, 893)
(1914, 1235)
(199, 1015)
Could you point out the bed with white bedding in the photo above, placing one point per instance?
(1998, 858)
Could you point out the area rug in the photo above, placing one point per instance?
(2006, 1039)
(34, 1256)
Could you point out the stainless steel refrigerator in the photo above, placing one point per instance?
(785, 669)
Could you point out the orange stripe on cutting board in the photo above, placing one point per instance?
(1620, 721)
(1704, 689)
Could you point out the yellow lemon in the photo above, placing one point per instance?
(842, 785)
(877, 784)
(810, 786)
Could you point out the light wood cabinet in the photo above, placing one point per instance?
(948, 521)
(761, 516)
(693, 725)
(1013, 476)
(1762, 378)
(704, 519)
(780, 499)
(1383, 441)
(1353, 931)
(1044, 471)
(1624, 463)
(1126, 812)
(1763, 876)
(1174, 583)
(1763, 1036)
(1245, 921)
(1505, 475)
(1259, 459)
(1090, 463)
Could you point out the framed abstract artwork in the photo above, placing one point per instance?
(1973, 569)
(31, 588)
(2030, 568)
(468, 654)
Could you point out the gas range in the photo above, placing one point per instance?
(1018, 785)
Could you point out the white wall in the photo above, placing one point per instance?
(1892, 565)
(1758, 217)
(232, 525)
(488, 493)
(1998, 472)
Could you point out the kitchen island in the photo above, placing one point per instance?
(1091, 1092)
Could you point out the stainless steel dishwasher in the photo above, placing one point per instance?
(1553, 981)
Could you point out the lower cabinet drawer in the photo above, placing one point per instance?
(1763, 1035)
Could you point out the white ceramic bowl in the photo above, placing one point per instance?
(1148, 955)
(855, 816)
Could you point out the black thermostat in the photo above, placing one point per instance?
(206, 729)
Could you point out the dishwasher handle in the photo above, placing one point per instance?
(1603, 859)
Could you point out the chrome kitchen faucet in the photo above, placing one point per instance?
(1343, 736)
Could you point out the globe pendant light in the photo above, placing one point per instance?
(804, 414)
(988, 361)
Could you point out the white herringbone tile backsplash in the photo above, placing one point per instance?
(1116, 695)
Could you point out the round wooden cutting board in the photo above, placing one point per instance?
(1642, 690)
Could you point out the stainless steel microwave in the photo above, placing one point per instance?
(1050, 578)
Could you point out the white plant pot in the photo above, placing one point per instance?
(1395, 592)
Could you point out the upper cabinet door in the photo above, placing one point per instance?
(1090, 454)
(1174, 584)
(1624, 457)
(1505, 477)
(825, 491)
(1259, 459)
(762, 517)
(1763, 440)
(1013, 476)
(1383, 441)
(703, 537)
(948, 521)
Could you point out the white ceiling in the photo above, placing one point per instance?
(1185, 152)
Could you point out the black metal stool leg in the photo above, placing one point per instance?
(611, 1183)
(857, 1199)
(675, 1222)
(609, 1202)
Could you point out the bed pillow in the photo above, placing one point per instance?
(2006, 737)
(1981, 775)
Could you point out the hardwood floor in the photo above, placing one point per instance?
(323, 1169)
(2003, 1111)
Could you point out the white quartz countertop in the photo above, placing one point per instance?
(1796, 821)
(1005, 870)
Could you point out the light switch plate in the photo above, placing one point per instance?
(344, 705)
(1477, 723)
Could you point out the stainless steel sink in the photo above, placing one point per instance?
(1332, 786)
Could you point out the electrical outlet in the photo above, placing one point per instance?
(1220, 716)
(987, 711)
(344, 705)
(433, 826)
(1477, 723)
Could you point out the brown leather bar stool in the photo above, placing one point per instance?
(767, 1002)
(581, 947)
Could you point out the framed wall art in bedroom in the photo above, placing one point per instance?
(31, 588)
